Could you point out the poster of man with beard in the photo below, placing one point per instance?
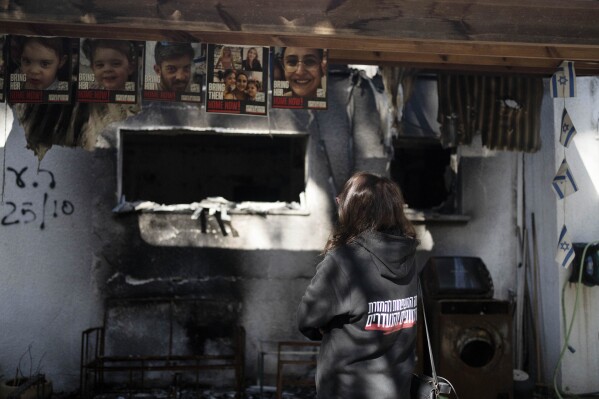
(174, 71)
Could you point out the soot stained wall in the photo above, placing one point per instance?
(138, 269)
(57, 278)
(264, 270)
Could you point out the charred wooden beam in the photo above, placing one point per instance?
(509, 36)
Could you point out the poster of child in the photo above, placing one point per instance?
(236, 79)
(39, 69)
(109, 70)
(299, 78)
(174, 71)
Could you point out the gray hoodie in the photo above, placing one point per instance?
(364, 300)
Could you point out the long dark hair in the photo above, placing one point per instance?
(369, 203)
(255, 62)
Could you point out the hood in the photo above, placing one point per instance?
(393, 254)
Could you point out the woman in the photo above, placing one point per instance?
(239, 93)
(251, 62)
(228, 78)
(304, 69)
(362, 300)
(225, 60)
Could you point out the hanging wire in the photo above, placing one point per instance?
(557, 390)
(564, 149)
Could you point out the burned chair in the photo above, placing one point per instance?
(171, 343)
(298, 355)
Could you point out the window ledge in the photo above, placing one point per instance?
(216, 205)
(420, 217)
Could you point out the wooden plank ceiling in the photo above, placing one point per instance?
(496, 36)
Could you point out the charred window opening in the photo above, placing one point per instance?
(185, 168)
(426, 169)
(423, 170)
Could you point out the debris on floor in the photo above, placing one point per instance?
(252, 392)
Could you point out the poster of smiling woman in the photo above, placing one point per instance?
(299, 78)
(109, 71)
(174, 71)
(237, 79)
(40, 69)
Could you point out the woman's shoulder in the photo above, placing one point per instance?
(345, 258)
(345, 251)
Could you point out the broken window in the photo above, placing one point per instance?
(423, 170)
(426, 171)
(183, 167)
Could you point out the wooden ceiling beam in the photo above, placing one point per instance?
(494, 35)
(545, 66)
(517, 21)
(491, 49)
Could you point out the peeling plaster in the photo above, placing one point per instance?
(134, 281)
(8, 117)
(177, 280)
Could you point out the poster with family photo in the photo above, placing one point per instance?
(299, 78)
(174, 71)
(109, 70)
(3, 75)
(39, 69)
(237, 79)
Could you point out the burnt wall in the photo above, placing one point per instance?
(261, 271)
(59, 278)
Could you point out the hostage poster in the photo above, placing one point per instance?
(39, 69)
(237, 78)
(299, 78)
(3, 57)
(174, 71)
(109, 71)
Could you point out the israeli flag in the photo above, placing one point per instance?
(563, 182)
(565, 249)
(563, 82)
(568, 130)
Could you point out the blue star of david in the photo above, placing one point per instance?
(563, 80)
(566, 127)
(564, 246)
